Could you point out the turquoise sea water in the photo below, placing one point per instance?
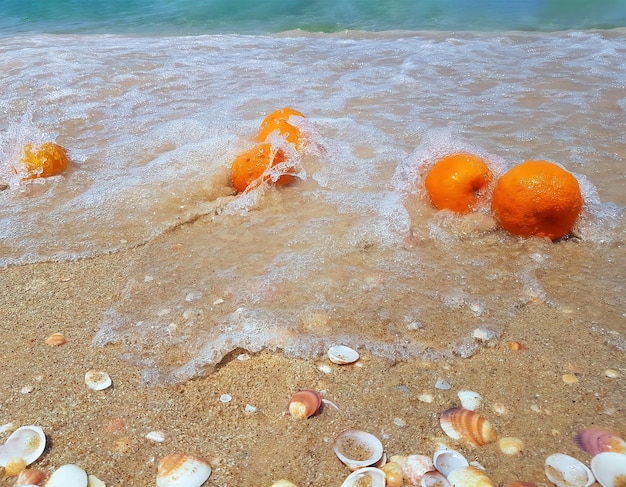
(250, 16)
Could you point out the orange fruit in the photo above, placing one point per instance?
(248, 167)
(279, 121)
(537, 198)
(49, 159)
(457, 182)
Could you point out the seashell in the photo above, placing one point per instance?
(434, 479)
(370, 476)
(27, 443)
(442, 384)
(393, 474)
(30, 476)
(515, 346)
(182, 471)
(283, 483)
(598, 440)
(415, 466)
(340, 354)
(609, 469)
(304, 404)
(460, 423)
(510, 445)
(97, 380)
(67, 475)
(93, 481)
(156, 436)
(469, 399)
(565, 471)
(56, 340)
(357, 449)
(445, 461)
(469, 477)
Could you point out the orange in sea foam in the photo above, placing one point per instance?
(279, 121)
(537, 198)
(248, 168)
(457, 182)
(48, 159)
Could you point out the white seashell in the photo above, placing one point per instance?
(226, 398)
(469, 399)
(510, 446)
(283, 483)
(68, 475)
(357, 449)
(609, 469)
(442, 384)
(415, 466)
(445, 461)
(565, 471)
(93, 481)
(370, 476)
(97, 380)
(434, 479)
(182, 471)
(340, 354)
(27, 443)
(469, 477)
(156, 436)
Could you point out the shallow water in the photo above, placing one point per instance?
(351, 252)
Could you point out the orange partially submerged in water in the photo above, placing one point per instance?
(537, 198)
(249, 166)
(279, 121)
(48, 159)
(457, 182)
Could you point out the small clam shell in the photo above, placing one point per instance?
(598, 440)
(97, 380)
(415, 466)
(357, 449)
(393, 474)
(510, 445)
(469, 399)
(370, 476)
(434, 479)
(30, 476)
(67, 475)
(469, 477)
(27, 443)
(56, 340)
(460, 423)
(182, 471)
(445, 461)
(565, 471)
(609, 469)
(340, 354)
(304, 404)
(283, 483)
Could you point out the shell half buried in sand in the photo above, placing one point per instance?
(97, 380)
(342, 355)
(463, 424)
(469, 477)
(357, 449)
(68, 475)
(609, 469)
(26, 443)
(182, 471)
(370, 476)
(599, 440)
(565, 471)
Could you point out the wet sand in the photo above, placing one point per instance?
(524, 394)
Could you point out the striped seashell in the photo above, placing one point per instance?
(599, 440)
(182, 471)
(463, 424)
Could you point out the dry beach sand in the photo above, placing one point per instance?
(524, 392)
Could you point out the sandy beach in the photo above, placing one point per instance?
(568, 375)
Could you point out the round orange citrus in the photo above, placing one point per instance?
(457, 182)
(248, 167)
(537, 198)
(49, 159)
(279, 121)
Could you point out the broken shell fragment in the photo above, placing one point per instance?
(357, 449)
(93, 481)
(609, 469)
(283, 483)
(565, 471)
(67, 475)
(510, 446)
(342, 355)
(369, 476)
(97, 380)
(469, 399)
(460, 423)
(304, 404)
(415, 466)
(30, 476)
(445, 461)
(434, 479)
(469, 477)
(598, 440)
(182, 471)
(56, 340)
(27, 443)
